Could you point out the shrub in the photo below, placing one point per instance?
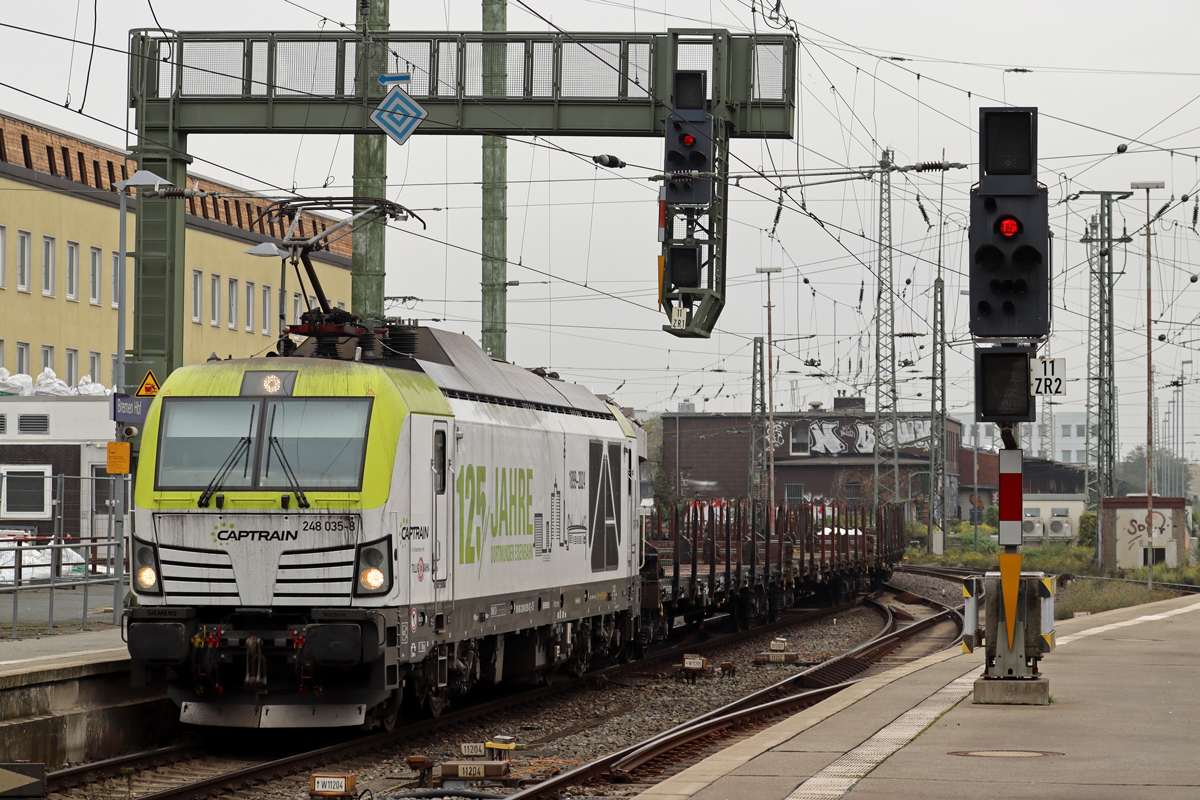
(1087, 529)
(991, 516)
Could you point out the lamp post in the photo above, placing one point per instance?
(139, 178)
(1148, 185)
(770, 407)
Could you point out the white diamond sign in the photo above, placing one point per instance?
(398, 115)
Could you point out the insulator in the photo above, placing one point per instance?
(608, 161)
(924, 214)
(1196, 212)
(778, 212)
(1162, 210)
(931, 166)
(174, 192)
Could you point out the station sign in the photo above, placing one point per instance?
(127, 408)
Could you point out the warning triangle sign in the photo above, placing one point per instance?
(149, 387)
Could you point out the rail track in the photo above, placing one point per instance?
(688, 740)
(192, 760)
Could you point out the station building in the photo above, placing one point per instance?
(58, 255)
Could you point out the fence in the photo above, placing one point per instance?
(61, 532)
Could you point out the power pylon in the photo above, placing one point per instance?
(759, 435)
(887, 438)
(1102, 390)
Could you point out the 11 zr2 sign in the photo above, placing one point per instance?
(1047, 376)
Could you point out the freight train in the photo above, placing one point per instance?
(384, 516)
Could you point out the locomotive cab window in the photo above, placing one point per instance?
(439, 461)
(247, 443)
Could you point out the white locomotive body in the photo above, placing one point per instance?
(319, 538)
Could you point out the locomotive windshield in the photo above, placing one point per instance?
(321, 441)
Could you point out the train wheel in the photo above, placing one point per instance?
(437, 701)
(388, 721)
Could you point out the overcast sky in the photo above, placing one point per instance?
(1102, 74)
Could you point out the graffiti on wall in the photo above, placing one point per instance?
(833, 437)
(836, 437)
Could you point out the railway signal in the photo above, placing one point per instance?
(689, 161)
(1009, 232)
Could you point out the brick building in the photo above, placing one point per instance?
(819, 454)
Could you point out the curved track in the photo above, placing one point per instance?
(787, 696)
(694, 639)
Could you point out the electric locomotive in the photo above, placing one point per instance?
(384, 513)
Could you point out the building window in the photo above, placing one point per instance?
(72, 376)
(854, 491)
(249, 307)
(1080, 431)
(26, 492)
(799, 439)
(197, 295)
(295, 308)
(214, 300)
(793, 492)
(266, 310)
(1066, 431)
(24, 260)
(22, 358)
(1060, 512)
(47, 265)
(47, 357)
(341, 305)
(95, 274)
(67, 164)
(94, 366)
(1066, 456)
(113, 374)
(72, 271)
(1081, 456)
(233, 302)
(312, 301)
(116, 280)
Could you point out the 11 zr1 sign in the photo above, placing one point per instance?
(1048, 376)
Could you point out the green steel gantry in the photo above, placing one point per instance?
(555, 84)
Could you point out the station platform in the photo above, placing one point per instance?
(66, 698)
(1125, 692)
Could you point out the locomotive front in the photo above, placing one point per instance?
(263, 558)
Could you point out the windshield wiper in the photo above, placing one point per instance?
(241, 448)
(273, 446)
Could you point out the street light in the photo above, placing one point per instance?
(140, 178)
(1148, 185)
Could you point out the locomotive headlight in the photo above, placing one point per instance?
(372, 579)
(147, 577)
(374, 564)
(145, 567)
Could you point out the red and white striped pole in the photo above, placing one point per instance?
(1010, 497)
(1011, 491)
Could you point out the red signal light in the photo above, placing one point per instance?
(1009, 227)
(688, 139)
